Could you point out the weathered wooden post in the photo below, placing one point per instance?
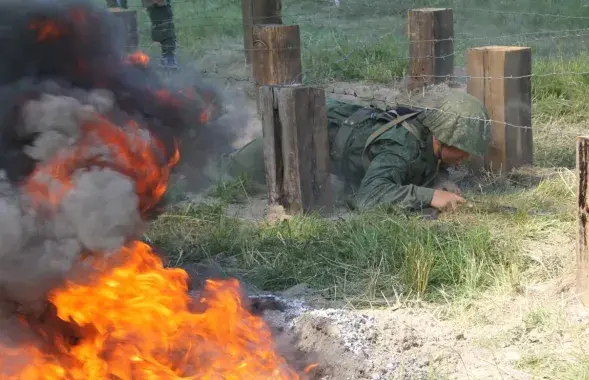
(128, 21)
(583, 219)
(256, 12)
(500, 76)
(294, 123)
(277, 54)
(431, 46)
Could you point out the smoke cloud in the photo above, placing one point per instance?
(82, 129)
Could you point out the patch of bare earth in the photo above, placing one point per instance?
(496, 336)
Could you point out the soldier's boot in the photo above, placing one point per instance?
(163, 31)
(168, 59)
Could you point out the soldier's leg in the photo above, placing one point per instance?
(163, 31)
(247, 161)
(117, 4)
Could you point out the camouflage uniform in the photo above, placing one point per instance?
(162, 25)
(387, 157)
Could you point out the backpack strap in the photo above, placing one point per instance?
(345, 130)
(402, 120)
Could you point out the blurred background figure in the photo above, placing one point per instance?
(162, 27)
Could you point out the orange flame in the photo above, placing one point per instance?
(143, 327)
(47, 29)
(134, 318)
(129, 153)
(138, 58)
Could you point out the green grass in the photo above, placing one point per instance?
(233, 191)
(373, 255)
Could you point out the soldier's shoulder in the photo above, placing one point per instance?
(401, 135)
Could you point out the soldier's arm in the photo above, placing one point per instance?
(385, 180)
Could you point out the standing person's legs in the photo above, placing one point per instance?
(163, 30)
(117, 4)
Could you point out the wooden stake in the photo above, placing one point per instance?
(431, 46)
(128, 20)
(296, 148)
(583, 218)
(256, 12)
(277, 55)
(500, 76)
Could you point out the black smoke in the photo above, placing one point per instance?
(77, 46)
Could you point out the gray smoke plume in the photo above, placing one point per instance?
(99, 212)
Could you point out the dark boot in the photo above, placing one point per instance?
(169, 60)
(163, 31)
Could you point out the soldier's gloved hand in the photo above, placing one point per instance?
(445, 200)
(448, 185)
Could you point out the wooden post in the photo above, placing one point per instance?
(500, 76)
(294, 123)
(431, 46)
(277, 55)
(583, 218)
(296, 148)
(128, 20)
(258, 12)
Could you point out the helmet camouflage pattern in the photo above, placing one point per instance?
(461, 121)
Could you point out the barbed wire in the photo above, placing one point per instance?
(525, 13)
(313, 16)
(459, 38)
(575, 33)
(394, 94)
(446, 77)
(395, 7)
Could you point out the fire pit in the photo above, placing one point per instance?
(89, 138)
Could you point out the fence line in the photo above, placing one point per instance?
(394, 94)
(349, 54)
(525, 13)
(567, 33)
(396, 8)
(556, 73)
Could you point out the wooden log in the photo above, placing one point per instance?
(256, 12)
(296, 148)
(128, 21)
(431, 46)
(500, 76)
(583, 218)
(277, 55)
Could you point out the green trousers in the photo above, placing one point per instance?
(162, 23)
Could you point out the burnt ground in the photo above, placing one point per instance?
(421, 341)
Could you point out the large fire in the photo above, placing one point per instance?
(135, 319)
(138, 322)
(115, 313)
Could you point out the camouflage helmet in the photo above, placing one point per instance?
(461, 121)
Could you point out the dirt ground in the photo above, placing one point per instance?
(489, 340)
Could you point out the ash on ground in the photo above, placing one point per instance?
(347, 344)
